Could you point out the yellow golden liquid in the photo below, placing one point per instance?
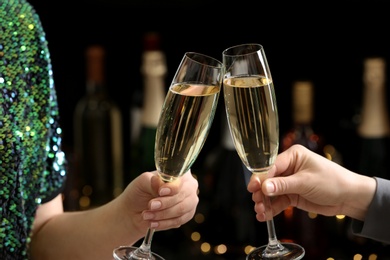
(253, 120)
(183, 127)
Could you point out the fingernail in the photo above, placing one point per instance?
(270, 187)
(165, 191)
(155, 205)
(147, 216)
(154, 224)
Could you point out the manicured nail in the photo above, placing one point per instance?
(165, 191)
(155, 205)
(270, 187)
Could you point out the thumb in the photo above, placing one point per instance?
(279, 186)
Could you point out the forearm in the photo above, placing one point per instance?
(83, 235)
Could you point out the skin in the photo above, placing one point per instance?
(93, 234)
(308, 181)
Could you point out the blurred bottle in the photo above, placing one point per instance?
(304, 228)
(135, 133)
(374, 128)
(98, 136)
(302, 114)
(154, 70)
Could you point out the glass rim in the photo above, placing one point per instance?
(215, 63)
(245, 51)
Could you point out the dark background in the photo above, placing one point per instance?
(323, 41)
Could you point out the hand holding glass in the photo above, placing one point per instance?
(183, 127)
(252, 115)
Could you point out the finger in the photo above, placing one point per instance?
(260, 212)
(176, 186)
(259, 208)
(169, 207)
(288, 161)
(166, 224)
(257, 196)
(156, 183)
(254, 184)
(292, 184)
(278, 205)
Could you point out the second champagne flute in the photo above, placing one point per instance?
(252, 115)
(183, 127)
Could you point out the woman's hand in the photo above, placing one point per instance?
(152, 203)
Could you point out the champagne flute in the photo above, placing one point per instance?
(252, 115)
(183, 127)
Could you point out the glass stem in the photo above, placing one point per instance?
(144, 251)
(273, 242)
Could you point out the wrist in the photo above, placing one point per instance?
(361, 196)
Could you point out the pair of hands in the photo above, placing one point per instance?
(299, 178)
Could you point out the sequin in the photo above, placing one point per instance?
(32, 164)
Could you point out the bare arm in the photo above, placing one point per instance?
(93, 234)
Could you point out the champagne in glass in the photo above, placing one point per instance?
(252, 115)
(183, 127)
(184, 124)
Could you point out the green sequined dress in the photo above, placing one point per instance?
(32, 164)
